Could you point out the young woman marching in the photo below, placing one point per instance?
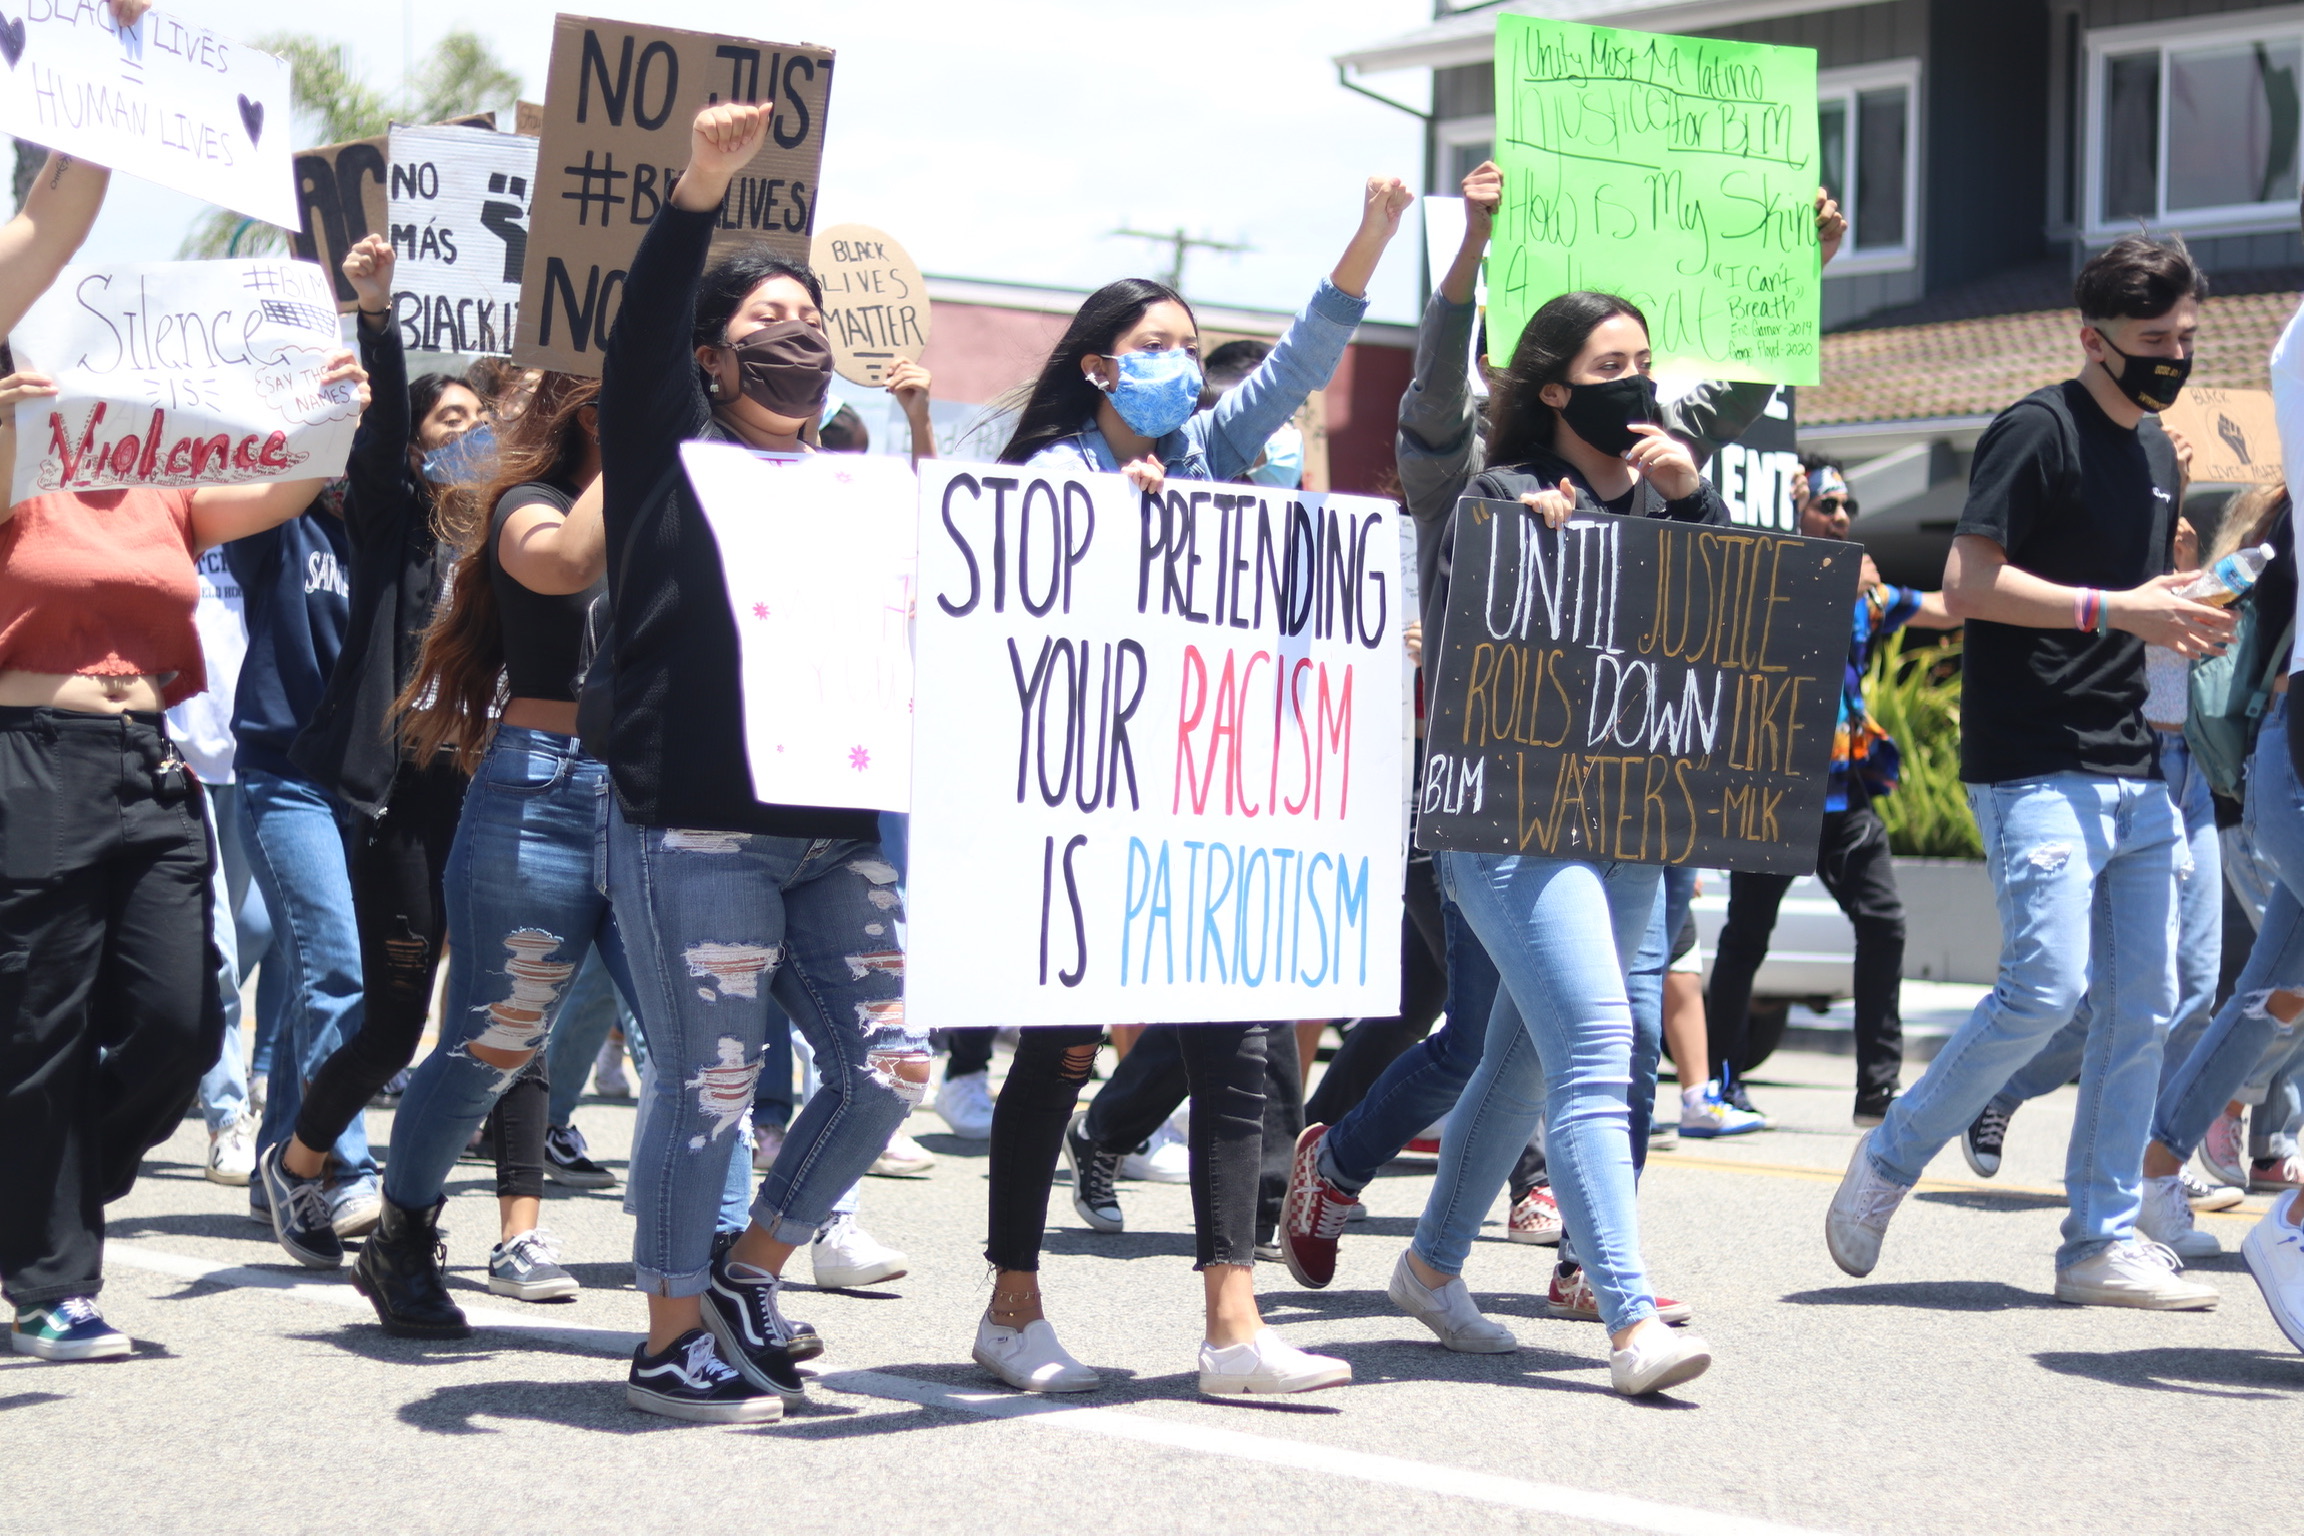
(1120, 394)
(721, 898)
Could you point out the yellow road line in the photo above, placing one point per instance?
(2249, 1210)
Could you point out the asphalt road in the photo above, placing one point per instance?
(1948, 1393)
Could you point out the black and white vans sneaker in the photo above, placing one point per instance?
(740, 1308)
(566, 1161)
(806, 1343)
(1093, 1170)
(689, 1381)
(302, 1220)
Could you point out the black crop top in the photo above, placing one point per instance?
(542, 634)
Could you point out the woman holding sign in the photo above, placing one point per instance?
(1120, 393)
(723, 898)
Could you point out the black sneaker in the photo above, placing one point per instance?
(806, 1343)
(1981, 1142)
(1871, 1109)
(1093, 1170)
(566, 1162)
(399, 1271)
(754, 1338)
(690, 1381)
(302, 1219)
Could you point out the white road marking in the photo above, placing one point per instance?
(328, 1288)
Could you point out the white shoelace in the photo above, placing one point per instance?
(2145, 1250)
(1328, 1220)
(572, 1142)
(75, 1310)
(705, 1367)
(535, 1247)
(308, 1204)
(1877, 1200)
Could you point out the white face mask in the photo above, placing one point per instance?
(1283, 463)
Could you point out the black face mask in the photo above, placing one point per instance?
(786, 367)
(2150, 382)
(1602, 414)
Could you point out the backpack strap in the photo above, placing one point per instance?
(2274, 669)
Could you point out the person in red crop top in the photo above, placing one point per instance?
(106, 962)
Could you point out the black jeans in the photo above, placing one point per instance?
(1852, 861)
(1028, 1121)
(1158, 1074)
(970, 1051)
(1371, 1045)
(108, 987)
(517, 1125)
(396, 863)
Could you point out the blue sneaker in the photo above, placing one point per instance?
(71, 1329)
(302, 1219)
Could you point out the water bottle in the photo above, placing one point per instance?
(2223, 583)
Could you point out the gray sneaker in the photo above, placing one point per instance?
(1861, 1208)
(528, 1267)
(2137, 1273)
(1449, 1312)
(2165, 1217)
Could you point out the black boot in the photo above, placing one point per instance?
(398, 1270)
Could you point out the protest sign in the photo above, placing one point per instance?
(618, 103)
(818, 553)
(181, 373)
(875, 301)
(1678, 172)
(1158, 744)
(342, 199)
(1633, 689)
(2233, 436)
(459, 224)
(1756, 474)
(166, 100)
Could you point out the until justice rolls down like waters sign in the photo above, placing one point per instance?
(1632, 689)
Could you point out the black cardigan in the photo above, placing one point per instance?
(675, 748)
(397, 565)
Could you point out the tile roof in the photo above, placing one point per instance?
(1973, 351)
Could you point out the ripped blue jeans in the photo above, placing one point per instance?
(716, 923)
(2085, 870)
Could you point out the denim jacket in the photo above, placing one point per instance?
(1220, 442)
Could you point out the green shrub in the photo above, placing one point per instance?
(1914, 694)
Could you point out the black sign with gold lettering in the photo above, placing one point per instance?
(1625, 688)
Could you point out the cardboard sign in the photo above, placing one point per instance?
(1755, 474)
(459, 222)
(166, 100)
(2233, 436)
(1159, 746)
(181, 373)
(875, 301)
(618, 104)
(818, 553)
(1631, 689)
(1678, 172)
(342, 198)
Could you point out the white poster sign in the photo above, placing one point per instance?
(166, 100)
(1160, 747)
(818, 553)
(459, 223)
(182, 373)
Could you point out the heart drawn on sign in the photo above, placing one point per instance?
(252, 119)
(11, 40)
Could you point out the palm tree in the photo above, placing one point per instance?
(333, 104)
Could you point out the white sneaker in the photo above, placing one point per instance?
(1707, 1114)
(903, 1158)
(1166, 1158)
(767, 1141)
(2205, 1196)
(259, 1084)
(1449, 1312)
(1861, 1208)
(965, 1102)
(1659, 1358)
(2137, 1273)
(1266, 1363)
(2166, 1218)
(232, 1153)
(1029, 1358)
(2274, 1249)
(845, 1255)
(609, 1079)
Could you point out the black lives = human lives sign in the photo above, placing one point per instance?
(618, 104)
(1633, 689)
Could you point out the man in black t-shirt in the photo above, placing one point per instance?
(2060, 568)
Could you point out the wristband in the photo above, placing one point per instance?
(2103, 615)
(2087, 607)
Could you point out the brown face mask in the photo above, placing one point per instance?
(786, 367)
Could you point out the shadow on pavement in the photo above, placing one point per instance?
(224, 1224)
(1992, 1199)
(595, 1405)
(1930, 1295)
(29, 1399)
(945, 1144)
(2242, 1373)
(1082, 1243)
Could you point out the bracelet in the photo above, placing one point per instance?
(376, 313)
(2103, 614)
(2087, 607)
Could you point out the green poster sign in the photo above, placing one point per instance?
(1678, 172)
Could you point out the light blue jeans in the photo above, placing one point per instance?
(2245, 1040)
(294, 836)
(2199, 942)
(716, 921)
(1559, 1048)
(2084, 867)
(1644, 985)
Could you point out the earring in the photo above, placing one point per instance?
(712, 386)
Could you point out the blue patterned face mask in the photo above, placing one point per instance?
(1158, 391)
(1283, 466)
(465, 459)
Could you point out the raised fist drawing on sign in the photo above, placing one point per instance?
(504, 220)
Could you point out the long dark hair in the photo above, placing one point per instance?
(452, 695)
(1061, 398)
(1519, 422)
(728, 282)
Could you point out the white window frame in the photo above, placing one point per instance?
(1454, 133)
(2285, 21)
(1846, 84)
